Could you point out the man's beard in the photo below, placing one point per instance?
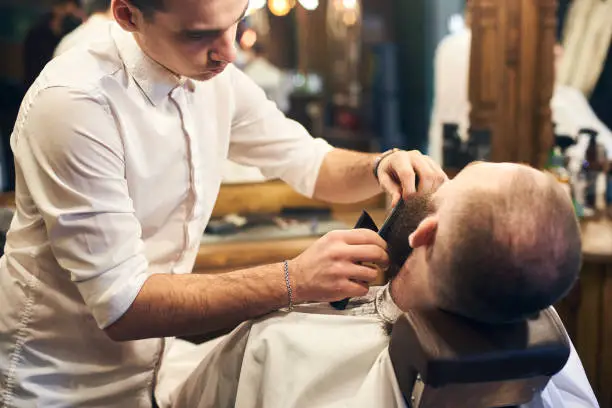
(387, 328)
(415, 210)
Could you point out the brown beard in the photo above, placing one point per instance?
(387, 328)
(415, 210)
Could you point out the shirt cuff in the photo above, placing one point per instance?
(111, 294)
(307, 183)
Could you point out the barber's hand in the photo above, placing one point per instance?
(396, 174)
(330, 269)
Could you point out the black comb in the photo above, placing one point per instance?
(389, 222)
(365, 221)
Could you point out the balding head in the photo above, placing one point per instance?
(503, 243)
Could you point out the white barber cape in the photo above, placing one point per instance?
(318, 357)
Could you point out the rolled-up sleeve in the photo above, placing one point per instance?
(263, 137)
(71, 156)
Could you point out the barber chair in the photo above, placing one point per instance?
(443, 360)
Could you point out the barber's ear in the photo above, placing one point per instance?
(425, 233)
(125, 15)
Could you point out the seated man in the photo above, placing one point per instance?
(498, 243)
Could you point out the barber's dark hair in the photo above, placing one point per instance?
(148, 7)
(510, 254)
(96, 6)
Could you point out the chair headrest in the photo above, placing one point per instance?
(443, 349)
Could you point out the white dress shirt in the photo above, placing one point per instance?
(570, 109)
(118, 168)
(318, 357)
(94, 30)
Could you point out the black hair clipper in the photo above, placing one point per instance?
(364, 221)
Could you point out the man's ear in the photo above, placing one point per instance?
(125, 15)
(425, 233)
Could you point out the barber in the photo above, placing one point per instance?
(118, 151)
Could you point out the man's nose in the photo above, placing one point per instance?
(224, 48)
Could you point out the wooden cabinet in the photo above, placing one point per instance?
(587, 310)
(512, 76)
(587, 315)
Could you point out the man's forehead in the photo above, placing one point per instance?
(489, 171)
(475, 174)
(485, 175)
(206, 14)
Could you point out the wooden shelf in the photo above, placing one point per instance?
(223, 257)
(597, 240)
(272, 196)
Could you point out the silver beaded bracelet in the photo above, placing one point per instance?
(288, 283)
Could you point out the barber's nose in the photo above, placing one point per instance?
(224, 48)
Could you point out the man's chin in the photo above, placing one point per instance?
(202, 77)
(205, 76)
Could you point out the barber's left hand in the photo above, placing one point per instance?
(396, 174)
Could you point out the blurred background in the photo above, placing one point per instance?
(461, 80)
(359, 73)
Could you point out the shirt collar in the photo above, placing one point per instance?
(153, 79)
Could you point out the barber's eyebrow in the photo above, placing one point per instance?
(212, 31)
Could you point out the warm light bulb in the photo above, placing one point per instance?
(257, 4)
(349, 4)
(279, 7)
(309, 4)
(248, 39)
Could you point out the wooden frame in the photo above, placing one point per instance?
(512, 76)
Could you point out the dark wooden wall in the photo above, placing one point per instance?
(311, 41)
(587, 315)
(511, 76)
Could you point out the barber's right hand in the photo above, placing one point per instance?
(335, 267)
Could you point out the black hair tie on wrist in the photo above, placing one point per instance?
(380, 158)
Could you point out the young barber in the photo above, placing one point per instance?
(118, 150)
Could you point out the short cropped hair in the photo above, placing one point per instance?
(510, 253)
(148, 7)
